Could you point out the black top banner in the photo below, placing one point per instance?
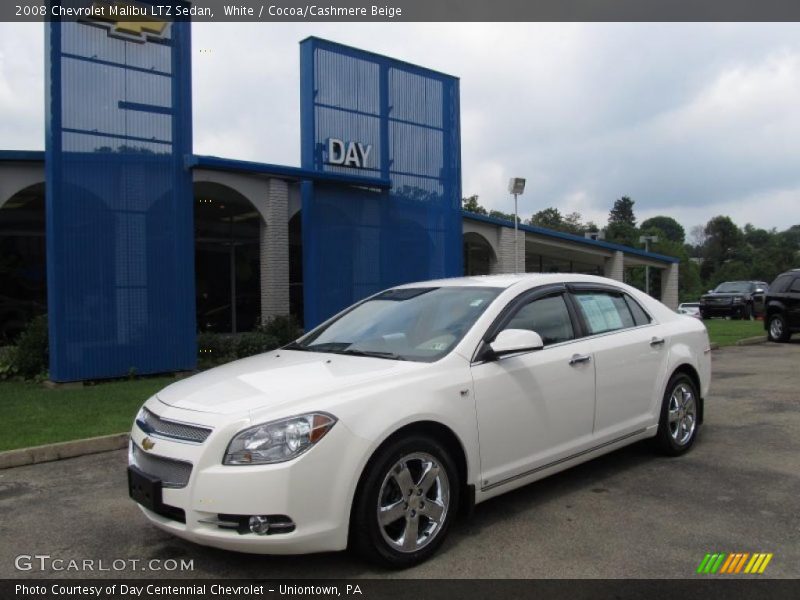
(319, 11)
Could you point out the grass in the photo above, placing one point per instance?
(31, 415)
(727, 332)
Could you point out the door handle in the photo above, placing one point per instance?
(580, 358)
(656, 341)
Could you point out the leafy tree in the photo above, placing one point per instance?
(552, 218)
(723, 240)
(622, 233)
(667, 227)
(548, 217)
(471, 204)
(622, 212)
(499, 214)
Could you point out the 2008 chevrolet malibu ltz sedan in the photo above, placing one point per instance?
(373, 430)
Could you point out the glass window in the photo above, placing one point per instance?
(781, 283)
(548, 317)
(795, 285)
(640, 316)
(421, 324)
(604, 311)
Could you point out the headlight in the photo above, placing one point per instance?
(737, 299)
(278, 441)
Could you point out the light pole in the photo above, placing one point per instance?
(516, 185)
(646, 239)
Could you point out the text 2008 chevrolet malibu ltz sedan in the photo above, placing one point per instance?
(372, 430)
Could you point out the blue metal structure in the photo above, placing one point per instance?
(120, 254)
(358, 240)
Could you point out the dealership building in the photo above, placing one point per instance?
(133, 244)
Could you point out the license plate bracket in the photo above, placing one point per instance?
(144, 489)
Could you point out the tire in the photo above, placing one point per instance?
(705, 315)
(679, 419)
(405, 461)
(747, 312)
(778, 328)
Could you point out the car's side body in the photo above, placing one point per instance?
(783, 302)
(508, 421)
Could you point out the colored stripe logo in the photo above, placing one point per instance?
(736, 562)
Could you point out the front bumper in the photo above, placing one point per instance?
(727, 310)
(315, 490)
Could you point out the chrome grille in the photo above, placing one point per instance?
(172, 473)
(151, 423)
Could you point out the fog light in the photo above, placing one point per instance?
(259, 524)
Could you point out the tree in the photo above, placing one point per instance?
(723, 241)
(471, 205)
(499, 214)
(667, 227)
(549, 217)
(622, 212)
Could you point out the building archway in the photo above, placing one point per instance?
(479, 257)
(227, 259)
(23, 266)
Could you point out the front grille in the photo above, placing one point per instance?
(151, 423)
(172, 473)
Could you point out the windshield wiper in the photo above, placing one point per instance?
(371, 353)
(296, 346)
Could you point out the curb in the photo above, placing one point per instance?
(759, 339)
(72, 449)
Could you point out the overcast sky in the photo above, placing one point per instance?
(688, 120)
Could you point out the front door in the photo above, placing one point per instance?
(535, 407)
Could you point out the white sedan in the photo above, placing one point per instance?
(376, 428)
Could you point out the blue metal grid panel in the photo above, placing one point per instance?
(119, 202)
(358, 241)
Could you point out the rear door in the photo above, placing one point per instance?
(630, 352)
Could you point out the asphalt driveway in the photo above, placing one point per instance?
(628, 514)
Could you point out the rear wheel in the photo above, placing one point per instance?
(677, 427)
(778, 330)
(406, 503)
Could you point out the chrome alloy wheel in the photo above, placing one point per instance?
(413, 502)
(682, 413)
(776, 328)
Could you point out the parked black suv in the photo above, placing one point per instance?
(783, 307)
(738, 299)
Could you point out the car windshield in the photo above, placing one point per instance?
(420, 324)
(734, 287)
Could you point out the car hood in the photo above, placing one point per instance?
(279, 377)
(725, 294)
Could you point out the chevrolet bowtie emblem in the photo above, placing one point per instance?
(148, 444)
(114, 14)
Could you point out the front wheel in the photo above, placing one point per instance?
(677, 426)
(406, 503)
(778, 331)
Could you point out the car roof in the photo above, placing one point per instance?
(508, 280)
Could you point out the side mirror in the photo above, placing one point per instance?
(759, 290)
(710, 291)
(511, 341)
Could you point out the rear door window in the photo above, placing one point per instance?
(604, 311)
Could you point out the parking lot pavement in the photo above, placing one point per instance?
(628, 514)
